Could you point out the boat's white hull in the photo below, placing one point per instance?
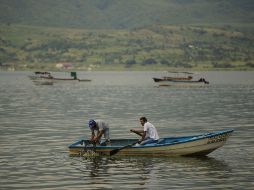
(182, 83)
(190, 148)
(37, 79)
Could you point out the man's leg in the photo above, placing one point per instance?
(148, 141)
(107, 139)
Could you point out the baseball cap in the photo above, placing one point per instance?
(91, 123)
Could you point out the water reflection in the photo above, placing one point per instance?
(95, 165)
(140, 172)
(38, 122)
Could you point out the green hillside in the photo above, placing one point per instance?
(158, 47)
(120, 14)
(127, 34)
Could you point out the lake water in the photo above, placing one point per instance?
(38, 122)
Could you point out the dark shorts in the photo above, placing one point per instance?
(148, 141)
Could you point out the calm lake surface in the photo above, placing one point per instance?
(38, 122)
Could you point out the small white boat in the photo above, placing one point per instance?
(197, 145)
(46, 76)
(181, 79)
(186, 76)
(185, 83)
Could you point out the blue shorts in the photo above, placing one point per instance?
(148, 141)
(106, 134)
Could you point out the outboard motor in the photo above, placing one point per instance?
(74, 75)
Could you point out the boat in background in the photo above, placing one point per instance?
(185, 83)
(196, 145)
(47, 76)
(181, 81)
(177, 76)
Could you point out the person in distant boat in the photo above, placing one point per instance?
(149, 134)
(99, 128)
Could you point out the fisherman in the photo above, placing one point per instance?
(149, 134)
(101, 128)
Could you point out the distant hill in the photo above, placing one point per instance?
(123, 14)
(158, 47)
(127, 34)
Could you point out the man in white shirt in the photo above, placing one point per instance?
(149, 134)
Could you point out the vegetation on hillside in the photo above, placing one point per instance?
(127, 34)
(156, 47)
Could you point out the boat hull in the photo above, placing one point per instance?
(171, 78)
(199, 145)
(48, 79)
(183, 83)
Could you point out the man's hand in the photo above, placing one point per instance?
(93, 140)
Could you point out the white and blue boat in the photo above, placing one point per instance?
(195, 145)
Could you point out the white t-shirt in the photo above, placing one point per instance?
(101, 125)
(151, 131)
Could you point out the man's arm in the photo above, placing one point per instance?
(143, 136)
(92, 136)
(138, 132)
(99, 134)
